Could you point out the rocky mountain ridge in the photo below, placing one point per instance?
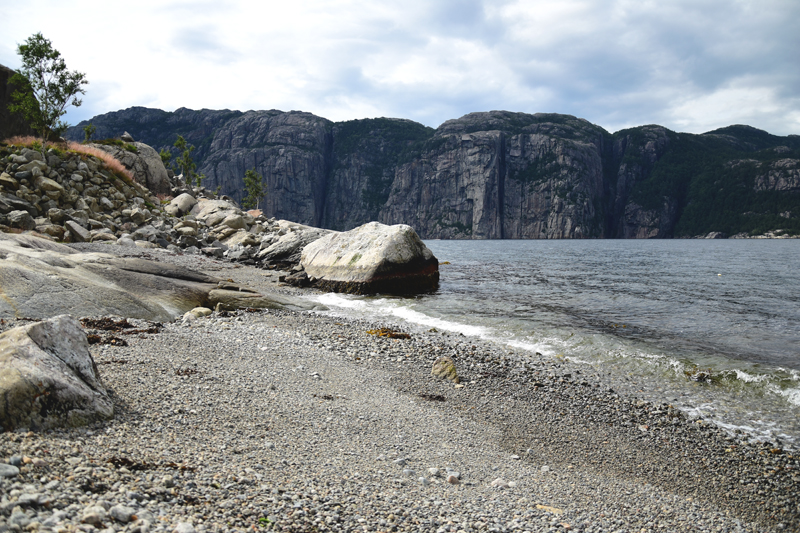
(492, 175)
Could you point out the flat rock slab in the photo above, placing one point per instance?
(41, 279)
(373, 258)
(48, 377)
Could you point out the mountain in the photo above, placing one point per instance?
(489, 175)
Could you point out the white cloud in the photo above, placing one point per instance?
(687, 65)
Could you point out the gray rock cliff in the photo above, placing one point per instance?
(488, 175)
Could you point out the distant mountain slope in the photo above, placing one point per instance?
(492, 174)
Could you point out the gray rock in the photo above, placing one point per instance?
(41, 279)
(184, 527)
(19, 518)
(21, 219)
(373, 258)
(10, 202)
(145, 165)
(287, 250)
(77, 232)
(48, 378)
(181, 204)
(94, 515)
(7, 470)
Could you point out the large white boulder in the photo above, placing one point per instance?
(48, 377)
(373, 258)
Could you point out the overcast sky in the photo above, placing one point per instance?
(692, 65)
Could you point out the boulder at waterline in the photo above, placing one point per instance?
(48, 377)
(373, 258)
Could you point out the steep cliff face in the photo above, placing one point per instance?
(365, 156)
(635, 153)
(453, 190)
(291, 151)
(489, 175)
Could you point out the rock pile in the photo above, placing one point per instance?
(75, 197)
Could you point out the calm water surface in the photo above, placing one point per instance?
(649, 316)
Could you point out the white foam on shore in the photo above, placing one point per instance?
(746, 377)
(383, 307)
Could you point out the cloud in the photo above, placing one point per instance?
(690, 66)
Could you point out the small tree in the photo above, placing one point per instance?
(47, 87)
(166, 157)
(255, 187)
(88, 132)
(185, 163)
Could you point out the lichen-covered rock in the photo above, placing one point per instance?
(373, 258)
(48, 377)
(445, 368)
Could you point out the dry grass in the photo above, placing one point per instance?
(107, 159)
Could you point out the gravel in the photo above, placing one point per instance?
(275, 420)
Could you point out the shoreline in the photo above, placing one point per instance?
(294, 421)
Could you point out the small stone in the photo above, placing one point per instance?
(15, 460)
(545, 468)
(122, 513)
(8, 470)
(408, 472)
(400, 462)
(94, 515)
(500, 483)
(184, 527)
(424, 481)
(168, 481)
(269, 446)
(434, 472)
(445, 368)
(515, 456)
(39, 463)
(19, 518)
(453, 480)
(451, 472)
(29, 499)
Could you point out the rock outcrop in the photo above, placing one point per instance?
(489, 175)
(40, 279)
(373, 258)
(144, 163)
(48, 377)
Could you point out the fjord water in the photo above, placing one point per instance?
(709, 326)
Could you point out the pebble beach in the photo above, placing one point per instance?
(264, 420)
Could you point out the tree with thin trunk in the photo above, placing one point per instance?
(46, 87)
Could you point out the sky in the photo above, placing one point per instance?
(691, 66)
